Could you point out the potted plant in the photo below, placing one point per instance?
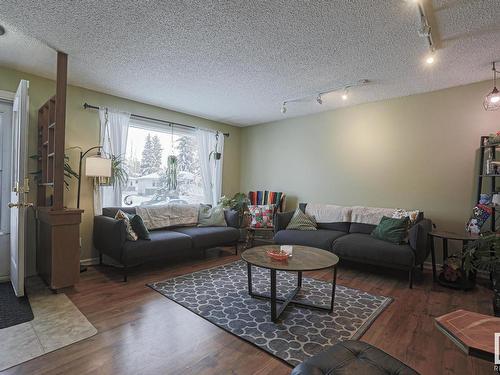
(69, 172)
(119, 175)
(484, 255)
(239, 202)
(215, 153)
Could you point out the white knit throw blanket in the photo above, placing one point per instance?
(370, 215)
(169, 215)
(328, 213)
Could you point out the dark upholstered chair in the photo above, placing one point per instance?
(353, 358)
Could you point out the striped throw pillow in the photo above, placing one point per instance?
(301, 221)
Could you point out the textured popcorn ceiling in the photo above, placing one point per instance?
(236, 61)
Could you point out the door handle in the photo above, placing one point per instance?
(20, 205)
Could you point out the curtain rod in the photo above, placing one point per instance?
(169, 123)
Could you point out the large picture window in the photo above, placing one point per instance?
(148, 148)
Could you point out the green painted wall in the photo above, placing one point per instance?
(418, 152)
(82, 129)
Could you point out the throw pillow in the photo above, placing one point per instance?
(400, 213)
(211, 217)
(391, 230)
(139, 227)
(262, 215)
(131, 235)
(301, 221)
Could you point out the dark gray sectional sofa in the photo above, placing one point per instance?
(110, 239)
(353, 242)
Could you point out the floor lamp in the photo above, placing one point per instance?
(95, 166)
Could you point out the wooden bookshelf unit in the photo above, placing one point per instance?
(58, 242)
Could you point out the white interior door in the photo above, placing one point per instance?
(19, 187)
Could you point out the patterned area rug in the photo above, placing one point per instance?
(220, 296)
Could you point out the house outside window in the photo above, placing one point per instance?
(148, 146)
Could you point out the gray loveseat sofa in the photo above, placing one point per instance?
(110, 239)
(352, 241)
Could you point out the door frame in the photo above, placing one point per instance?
(7, 96)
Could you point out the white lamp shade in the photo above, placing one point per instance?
(96, 166)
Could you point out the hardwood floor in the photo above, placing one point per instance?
(142, 332)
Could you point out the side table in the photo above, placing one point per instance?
(251, 236)
(464, 237)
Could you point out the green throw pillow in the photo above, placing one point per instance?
(211, 217)
(301, 221)
(391, 230)
(139, 227)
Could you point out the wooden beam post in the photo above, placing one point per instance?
(62, 77)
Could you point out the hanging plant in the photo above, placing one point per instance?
(215, 153)
(172, 163)
(172, 172)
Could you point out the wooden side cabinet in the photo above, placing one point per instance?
(58, 248)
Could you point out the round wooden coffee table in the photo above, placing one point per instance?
(304, 258)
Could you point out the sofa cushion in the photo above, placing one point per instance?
(232, 218)
(162, 242)
(320, 238)
(301, 221)
(361, 228)
(340, 226)
(365, 248)
(207, 237)
(209, 216)
(353, 357)
(139, 227)
(391, 229)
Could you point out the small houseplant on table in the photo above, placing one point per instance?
(484, 255)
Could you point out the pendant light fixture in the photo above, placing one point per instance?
(492, 100)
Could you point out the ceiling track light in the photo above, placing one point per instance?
(492, 100)
(319, 96)
(425, 31)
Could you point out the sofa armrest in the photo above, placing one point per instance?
(232, 218)
(418, 238)
(281, 220)
(109, 236)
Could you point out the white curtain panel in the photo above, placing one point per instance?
(211, 170)
(114, 141)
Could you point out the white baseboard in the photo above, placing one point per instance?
(89, 261)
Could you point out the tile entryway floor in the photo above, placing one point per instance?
(57, 323)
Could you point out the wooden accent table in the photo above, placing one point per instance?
(251, 231)
(304, 258)
(472, 332)
(464, 237)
